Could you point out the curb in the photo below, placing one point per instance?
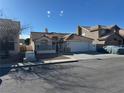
(19, 65)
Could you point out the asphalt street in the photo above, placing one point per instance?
(89, 76)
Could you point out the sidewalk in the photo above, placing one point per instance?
(95, 56)
(63, 59)
(57, 60)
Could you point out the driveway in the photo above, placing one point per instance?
(88, 76)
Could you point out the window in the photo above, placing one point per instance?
(103, 32)
(11, 46)
(43, 45)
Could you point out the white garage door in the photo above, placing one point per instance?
(80, 46)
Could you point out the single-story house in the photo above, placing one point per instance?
(46, 43)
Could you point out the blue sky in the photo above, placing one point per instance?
(64, 15)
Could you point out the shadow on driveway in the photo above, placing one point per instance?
(0, 81)
(88, 52)
(4, 71)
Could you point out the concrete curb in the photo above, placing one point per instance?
(60, 61)
(30, 64)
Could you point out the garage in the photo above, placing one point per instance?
(79, 43)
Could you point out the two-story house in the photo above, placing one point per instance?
(9, 36)
(102, 35)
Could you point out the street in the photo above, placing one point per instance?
(86, 76)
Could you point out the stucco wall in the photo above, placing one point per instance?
(32, 44)
(16, 45)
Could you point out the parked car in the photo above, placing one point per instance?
(114, 49)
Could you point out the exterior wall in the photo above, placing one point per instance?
(94, 35)
(32, 44)
(87, 33)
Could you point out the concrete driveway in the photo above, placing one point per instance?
(88, 76)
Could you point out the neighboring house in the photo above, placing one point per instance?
(9, 35)
(58, 43)
(102, 35)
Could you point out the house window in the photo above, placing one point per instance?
(11, 46)
(43, 45)
(103, 32)
(53, 45)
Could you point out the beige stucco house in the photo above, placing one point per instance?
(9, 35)
(102, 35)
(46, 43)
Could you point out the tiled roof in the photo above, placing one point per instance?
(9, 28)
(37, 35)
(98, 27)
(7, 24)
(75, 37)
(106, 36)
